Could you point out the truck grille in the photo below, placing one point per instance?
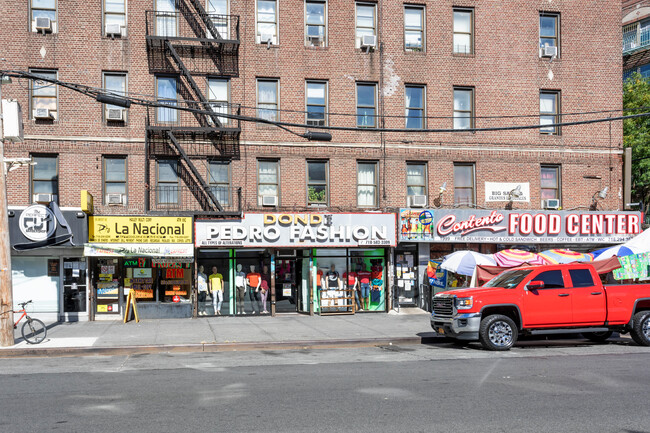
(443, 306)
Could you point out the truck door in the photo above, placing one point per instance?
(589, 304)
(550, 306)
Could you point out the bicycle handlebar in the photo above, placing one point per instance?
(22, 304)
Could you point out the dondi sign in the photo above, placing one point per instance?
(299, 230)
(525, 226)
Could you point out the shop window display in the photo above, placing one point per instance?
(212, 282)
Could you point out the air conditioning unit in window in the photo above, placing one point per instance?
(43, 24)
(315, 41)
(319, 122)
(42, 113)
(551, 203)
(43, 198)
(113, 30)
(266, 38)
(114, 199)
(115, 114)
(369, 41)
(549, 51)
(417, 201)
(269, 200)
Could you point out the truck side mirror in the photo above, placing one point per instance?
(534, 285)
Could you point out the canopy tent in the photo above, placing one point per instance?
(640, 242)
(563, 255)
(615, 251)
(512, 258)
(464, 262)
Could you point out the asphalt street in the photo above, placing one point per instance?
(438, 388)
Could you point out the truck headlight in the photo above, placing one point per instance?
(464, 303)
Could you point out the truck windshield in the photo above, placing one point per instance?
(508, 279)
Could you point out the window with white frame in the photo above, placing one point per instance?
(464, 184)
(219, 97)
(463, 31)
(114, 17)
(366, 105)
(267, 99)
(115, 84)
(414, 19)
(367, 178)
(43, 16)
(166, 94)
(268, 180)
(414, 97)
(549, 101)
(316, 103)
(463, 107)
(416, 179)
(44, 96)
(267, 21)
(45, 175)
(315, 23)
(166, 18)
(168, 182)
(219, 180)
(218, 11)
(115, 170)
(549, 35)
(366, 22)
(317, 190)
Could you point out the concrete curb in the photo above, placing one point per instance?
(211, 347)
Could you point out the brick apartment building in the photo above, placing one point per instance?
(636, 37)
(405, 66)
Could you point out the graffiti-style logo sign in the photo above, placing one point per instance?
(37, 223)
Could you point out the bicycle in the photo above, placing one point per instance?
(33, 330)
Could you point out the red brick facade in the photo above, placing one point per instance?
(505, 71)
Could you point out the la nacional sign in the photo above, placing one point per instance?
(291, 230)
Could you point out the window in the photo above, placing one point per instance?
(366, 105)
(45, 175)
(218, 10)
(366, 23)
(44, 96)
(464, 186)
(463, 108)
(219, 97)
(267, 99)
(114, 14)
(166, 14)
(168, 186)
(268, 180)
(114, 82)
(548, 33)
(550, 182)
(414, 97)
(549, 102)
(414, 28)
(551, 279)
(115, 177)
(267, 21)
(581, 277)
(315, 23)
(463, 28)
(316, 103)
(219, 180)
(367, 177)
(166, 94)
(317, 175)
(416, 178)
(43, 9)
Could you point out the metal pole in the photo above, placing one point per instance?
(6, 289)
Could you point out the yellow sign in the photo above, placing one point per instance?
(131, 302)
(87, 202)
(102, 308)
(143, 230)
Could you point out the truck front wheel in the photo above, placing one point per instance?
(641, 330)
(497, 332)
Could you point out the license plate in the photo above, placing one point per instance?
(441, 330)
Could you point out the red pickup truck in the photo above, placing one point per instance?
(550, 299)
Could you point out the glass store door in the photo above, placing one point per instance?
(74, 285)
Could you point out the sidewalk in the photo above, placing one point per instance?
(226, 334)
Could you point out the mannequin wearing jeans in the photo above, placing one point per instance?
(215, 281)
(240, 286)
(254, 281)
(202, 286)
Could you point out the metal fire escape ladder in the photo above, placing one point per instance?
(206, 19)
(195, 172)
(193, 85)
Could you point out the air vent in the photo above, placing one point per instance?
(269, 200)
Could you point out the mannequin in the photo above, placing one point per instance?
(364, 282)
(240, 286)
(202, 287)
(265, 287)
(254, 281)
(215, 283)
(352, 280)
(333, 283)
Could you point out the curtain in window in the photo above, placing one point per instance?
(167, 95)
(462, 32)
(415, 179)
(366, 185)
(166, 18)
(268, 178)
(267, 94)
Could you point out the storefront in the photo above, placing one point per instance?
(47, 263)
(438, 232)
(312, 263)
(153, 256)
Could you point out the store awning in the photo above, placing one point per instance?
(163, 251)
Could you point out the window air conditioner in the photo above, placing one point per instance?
(551, 203)
(43, 24)
(369, 41)
(113, 30)
(42, 113)
(549, 51)
(315, 41)
(266, 38)
(114, 199)
(269, 200)
(417, 200)
(115, 114)
(43, 198)
(319, 122)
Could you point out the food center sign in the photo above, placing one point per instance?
(517, 226)
(310, 230)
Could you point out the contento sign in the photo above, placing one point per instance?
(299, 230)
(529, 226)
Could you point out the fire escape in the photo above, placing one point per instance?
(185, 46)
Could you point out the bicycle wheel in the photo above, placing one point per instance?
(34, 331)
